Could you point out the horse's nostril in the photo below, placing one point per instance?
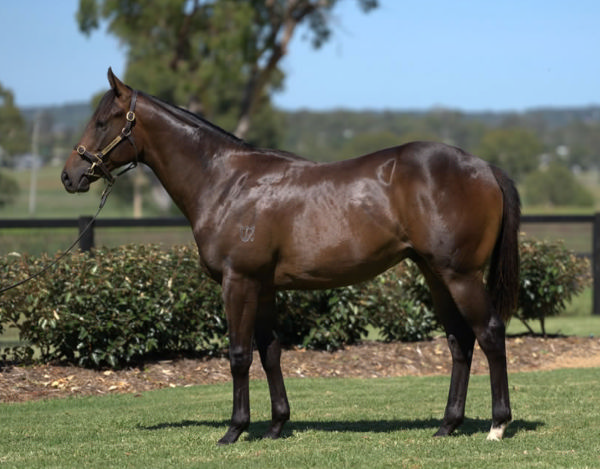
(67, 181)
(64, 177)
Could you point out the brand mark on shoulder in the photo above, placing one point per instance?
(247, 233)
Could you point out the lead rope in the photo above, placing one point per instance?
(103, 198)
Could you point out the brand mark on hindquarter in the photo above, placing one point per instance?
(385, 172)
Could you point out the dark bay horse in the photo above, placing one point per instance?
(266, 220)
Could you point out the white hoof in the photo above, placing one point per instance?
(496, 433)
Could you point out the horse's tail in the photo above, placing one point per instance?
(503, 276)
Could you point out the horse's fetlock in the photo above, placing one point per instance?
(501, 414)
(453, 417)
(281, 412)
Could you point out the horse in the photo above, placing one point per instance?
(267, 219)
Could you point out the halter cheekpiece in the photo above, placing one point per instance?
(97, 159)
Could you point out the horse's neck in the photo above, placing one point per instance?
(184, 164)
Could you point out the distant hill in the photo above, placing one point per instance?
(325, 135)
(74, 115)
(71, 116)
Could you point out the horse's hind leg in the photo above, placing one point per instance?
(270, 356)
(461, 341)
(475, 306)
(491, 338)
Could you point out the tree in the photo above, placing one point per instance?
(217, 57)
(9, 189)
(13, 130)
(13, 140)
(555, 186)
(513, 149)
(367, 142)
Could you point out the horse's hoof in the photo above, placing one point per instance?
(226, 441)
(445, 430)
(272, 435)
(230, 437)
(496, 433)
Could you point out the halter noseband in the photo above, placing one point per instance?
(97, 159)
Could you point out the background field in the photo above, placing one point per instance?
(335, 423)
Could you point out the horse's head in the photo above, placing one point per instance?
(107, 142)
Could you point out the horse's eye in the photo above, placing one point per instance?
(101, 125)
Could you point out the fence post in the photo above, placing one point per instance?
(86, 243)
(596, 265)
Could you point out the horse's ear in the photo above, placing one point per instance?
(117, 85)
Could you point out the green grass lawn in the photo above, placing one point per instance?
(583, 325)
(335, 423)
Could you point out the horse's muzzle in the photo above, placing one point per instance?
(75, 184)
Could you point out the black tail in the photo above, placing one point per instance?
(503, 276)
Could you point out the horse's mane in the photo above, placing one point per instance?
(197, 121)
(194, 119)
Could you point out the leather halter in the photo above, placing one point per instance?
(98, 159)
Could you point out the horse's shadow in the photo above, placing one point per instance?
(257, 429)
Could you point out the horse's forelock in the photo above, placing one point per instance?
(104, 109)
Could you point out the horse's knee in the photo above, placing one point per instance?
(240, 359)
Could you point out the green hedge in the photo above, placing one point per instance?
(550, 276)
(131, 303)
(116, 307)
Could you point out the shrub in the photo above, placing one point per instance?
(399, 304)
(135, 302)
(550, 276)
(321, 319)
(116, 307)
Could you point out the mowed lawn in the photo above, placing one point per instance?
(335, 423)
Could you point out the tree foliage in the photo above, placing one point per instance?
(13, 140)
(556, 185)
(515, 150)
(9, 189)
(218, 57)
(13, 130)
(367, 142)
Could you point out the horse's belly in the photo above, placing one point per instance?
(335, 266)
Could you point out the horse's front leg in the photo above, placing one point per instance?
(240, 296)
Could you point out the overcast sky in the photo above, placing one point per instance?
(417, 54)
